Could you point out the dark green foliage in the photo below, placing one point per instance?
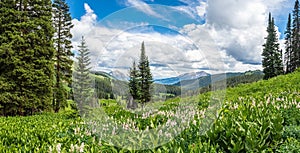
(82, 81)
(140, 83)
(134, 82)
(295, 55)
(102, 87)
(173, 90)
(247, 128)
(291, 116)
(111, 96)
(290, 145)
(291, 131)
(292, 40)
(288, 45)
(272, 60)
(39, 133)
(248, 77)
(62, 42)
(26, 53)
(145, 77)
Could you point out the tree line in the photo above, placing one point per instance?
(274, 61)
(35, 56)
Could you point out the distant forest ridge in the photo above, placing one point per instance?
(104, 81)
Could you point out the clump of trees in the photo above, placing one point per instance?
(272, 62)
(35, 56)
(26, 56)
(141, 79)
(292, 40)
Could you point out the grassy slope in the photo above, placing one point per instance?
(50, 130)
(249, 110)
(282, 85)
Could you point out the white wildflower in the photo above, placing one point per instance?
(50, 149)
(195, 122)
(58, 147)
(268, 100)
(72, 149)
(235, 106)
(253, 103)
(160, 132)
(298, 105)
(114, 131)
(173, 123)
(81, 148)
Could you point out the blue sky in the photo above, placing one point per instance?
(101, 7)
(104, 8)
(229, 31)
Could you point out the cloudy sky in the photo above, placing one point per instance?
(180, 35)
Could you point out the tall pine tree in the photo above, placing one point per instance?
(295, 58)
(63, 62)
(288, 46)
(145, 77)
(7, 54)
(82, 81)
(272, 60)
(26, 50)
(134, 82)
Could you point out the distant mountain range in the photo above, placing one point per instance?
(205, 81)
(188, 80)
(165, 81)
(112, 74)
(119, 75)
(182, 77)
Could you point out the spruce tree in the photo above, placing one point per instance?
(272, 60)
(295, 58)
(134, 82)
(145, 77)
(288, 46)
(26, 50)
(7, 64)
(82, 82)
(62, 42)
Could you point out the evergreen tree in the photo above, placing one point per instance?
(62, 42)
(134, 82)
(26, 52)
(7, 65)
(82, 82)
(288, 45)
(295, 58)
(272, 60)
(145, 77)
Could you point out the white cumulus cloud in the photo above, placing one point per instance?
(113, 49)
(231, 39)
(239, 27)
